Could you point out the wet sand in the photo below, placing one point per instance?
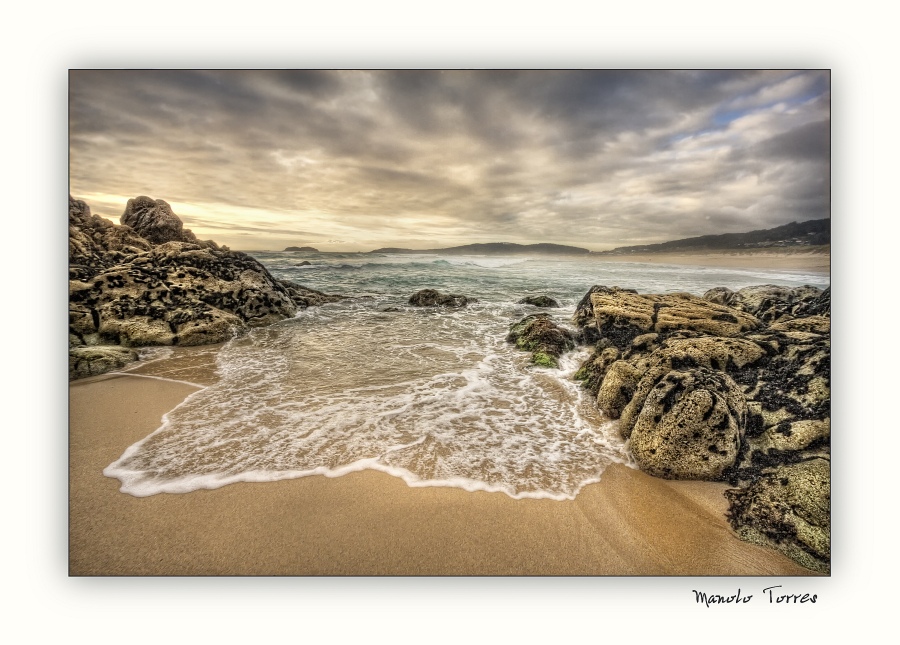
(369, 523)
(815, 259)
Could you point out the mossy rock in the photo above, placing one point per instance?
(541, 336)
(593, 370)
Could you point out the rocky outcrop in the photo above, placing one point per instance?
(432, 298)
(162, 286)
(729, 387)
(538, 301)
(541, 336)
(154, 220)
(302, 248)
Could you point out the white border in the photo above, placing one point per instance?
(44, 41)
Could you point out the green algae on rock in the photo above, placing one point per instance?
(541, 336)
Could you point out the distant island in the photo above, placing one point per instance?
(494, 248)
(815, 232)
(302, 248)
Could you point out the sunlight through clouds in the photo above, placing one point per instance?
(354, 160)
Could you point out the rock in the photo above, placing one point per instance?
(95, 243)
(618, 386)
(305, 263)
(796, 436)
(154, 220)
(305, 297)
(538, 301)
(720, 296)
(90, 361)
(734, 386)
(541, 336)
(584, 310)
(177, 293)
(594, 369)
(680, 354)
(302, 248)
(788, 509)
(432, 298)
(793, 382)
(814, 306)
(171, 289)
(690, 426)
(620, 316)
(815, 324)
(770, 303)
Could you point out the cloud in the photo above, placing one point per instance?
(591, 157)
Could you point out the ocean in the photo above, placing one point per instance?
(434, 396)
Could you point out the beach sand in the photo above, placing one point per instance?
(369, 523)
(816, 259)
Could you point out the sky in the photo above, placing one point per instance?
(354, 160)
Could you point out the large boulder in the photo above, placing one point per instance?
(690, 426)
(154, 220)
(617, 387)
(682, 354)
(541, 336)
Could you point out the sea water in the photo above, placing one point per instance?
(435, 396)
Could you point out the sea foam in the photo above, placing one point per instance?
(434, 396)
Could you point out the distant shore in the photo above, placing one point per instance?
(816, 259)
(369, 523)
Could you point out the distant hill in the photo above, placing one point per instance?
(302, 248)
(814, 232)
(495, 248)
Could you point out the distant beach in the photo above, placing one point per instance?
(796, 258)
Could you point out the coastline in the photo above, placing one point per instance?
(817, 260)
(369, 523)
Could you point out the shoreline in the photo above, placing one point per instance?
(368, 522)
(817, 261)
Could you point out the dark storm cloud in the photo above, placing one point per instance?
(594, 158)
